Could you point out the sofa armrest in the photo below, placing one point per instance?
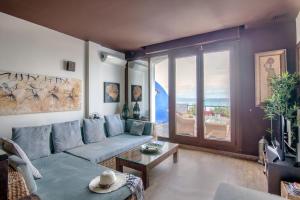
(148, 130)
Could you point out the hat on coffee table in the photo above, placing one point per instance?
(108, 181)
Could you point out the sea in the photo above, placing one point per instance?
(208, 102)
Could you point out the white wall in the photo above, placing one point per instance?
(100, 72)
(298, 27)
(138, 75)
(27, 47)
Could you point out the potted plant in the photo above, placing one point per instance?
(282, 105)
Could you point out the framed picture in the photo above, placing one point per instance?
(111, 92)
(298, 57)
(267, 65)
(23, 93)
(136, 93)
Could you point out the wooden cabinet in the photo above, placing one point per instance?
(278, 171)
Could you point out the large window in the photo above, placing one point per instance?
(193, 101)
(216, 73)
(186, 96)
(160, 95)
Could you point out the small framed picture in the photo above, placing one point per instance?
(136, 93)
(111, 92)
(267, 65)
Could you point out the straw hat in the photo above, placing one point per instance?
(108, 181)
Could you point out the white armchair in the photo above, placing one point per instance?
(185, 126)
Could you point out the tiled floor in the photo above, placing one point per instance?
(198, 174)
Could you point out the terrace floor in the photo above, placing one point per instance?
(198, 174)
(213, 132)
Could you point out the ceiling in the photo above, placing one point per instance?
(131, 24)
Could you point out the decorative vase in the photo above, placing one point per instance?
(136, 111)
(125, 112)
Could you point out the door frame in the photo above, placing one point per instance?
(233, 145)
(172, 95)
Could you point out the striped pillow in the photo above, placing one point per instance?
(13, 148)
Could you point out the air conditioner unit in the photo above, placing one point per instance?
(140, 65)
(112, 59)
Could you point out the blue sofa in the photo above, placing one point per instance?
(67, 177)
(228, 191)
(112, 146)
(100, 151)
(66, 174)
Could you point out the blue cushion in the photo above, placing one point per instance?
(100, 151)
(137, 128)
(13, 148)
(34, 141)
(66, 135)
(148, 129)
(19, 165)
(93, 130)
(114, 125)
(67, 177)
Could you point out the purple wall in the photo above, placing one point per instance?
(282, 35)
(270, 37)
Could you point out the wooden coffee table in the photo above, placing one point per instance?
(137, 160)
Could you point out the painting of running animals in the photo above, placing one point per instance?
(22, 93)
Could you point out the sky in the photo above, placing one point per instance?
(216, 75)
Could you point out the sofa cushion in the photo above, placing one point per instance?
(137, 128)
(100, 151)
(114, 125)
(35, 141)
(66, 135)
(148, 129)
(13, 148)
(21, 166)
(93, 130)
(67, 177)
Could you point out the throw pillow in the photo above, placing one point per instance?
(114, 125)
(148, 130)
(35, 141)
(128, 125)
(93, 130)
(137, 128)
(13, 148)
(21, 166)
(66, 135)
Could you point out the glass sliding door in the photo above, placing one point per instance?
(194, 96)
(186, 96)
(160, 95)
(216, 95)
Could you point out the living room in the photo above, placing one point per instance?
(149, 99)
